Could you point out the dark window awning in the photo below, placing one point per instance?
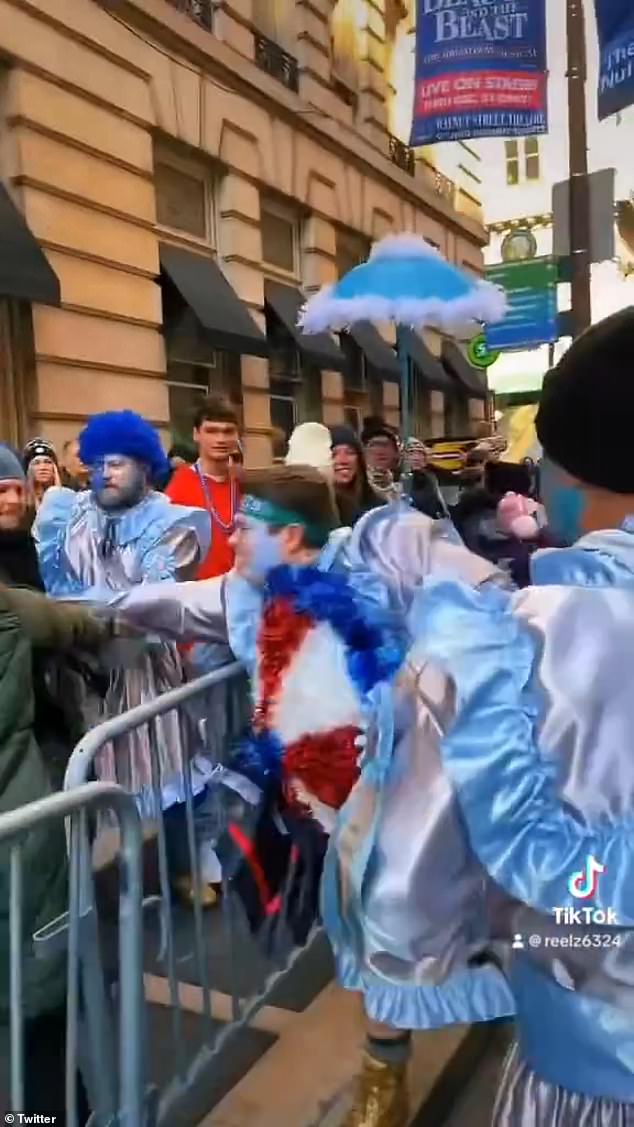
(285, 303)
(378, 353)
(226, 321)
(429, 368)
(25, 273)
(456, 363)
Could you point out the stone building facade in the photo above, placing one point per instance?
(186, 168)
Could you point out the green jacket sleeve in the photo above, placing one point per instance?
(54, 625)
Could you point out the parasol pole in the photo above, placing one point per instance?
(406, 407)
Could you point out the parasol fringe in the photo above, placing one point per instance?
(484, 303)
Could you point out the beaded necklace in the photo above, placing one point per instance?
(227, 526)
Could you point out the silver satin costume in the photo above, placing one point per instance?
(539, 749)
(404, 943)
(86, 553)
(404, 901)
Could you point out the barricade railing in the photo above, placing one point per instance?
(213, 951)
(115, 1088)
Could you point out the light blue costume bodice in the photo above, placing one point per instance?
(540, 752)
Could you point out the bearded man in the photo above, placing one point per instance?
(110, 538)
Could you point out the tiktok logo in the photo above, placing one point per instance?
(583, 885)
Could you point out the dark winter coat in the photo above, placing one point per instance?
(28, 619)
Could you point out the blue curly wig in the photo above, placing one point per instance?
(124, 433)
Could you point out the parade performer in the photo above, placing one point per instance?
(317, 641)
(387, 556)
(115, 536)
(537, 739)
(405, 903)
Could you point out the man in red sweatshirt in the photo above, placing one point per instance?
(210, 484)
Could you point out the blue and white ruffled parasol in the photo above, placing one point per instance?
(406, 281)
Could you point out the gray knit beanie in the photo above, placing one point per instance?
(10, 465)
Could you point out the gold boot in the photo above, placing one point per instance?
(381, 1098)
(185, 890)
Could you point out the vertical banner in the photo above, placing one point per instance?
(615, 21)
(480, 70)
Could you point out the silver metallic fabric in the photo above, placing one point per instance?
(86, 553)
(524, 1100)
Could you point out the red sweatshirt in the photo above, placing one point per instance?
(221, 498)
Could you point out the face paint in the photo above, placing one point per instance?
(118, 483)
(564, 503)
(257, 550)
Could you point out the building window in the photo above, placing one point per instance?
(187, 386)
(276, 20)
(279, 238)
(344, 39)
(350, 251)
(531, 154)
(189, 382)
(524, 159)
(512, 163)
(352, 418)
(284, 415)
(184, 198)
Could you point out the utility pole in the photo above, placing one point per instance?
(579, 184)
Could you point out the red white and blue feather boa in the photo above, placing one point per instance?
(295, 601)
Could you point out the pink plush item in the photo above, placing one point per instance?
(516, 516)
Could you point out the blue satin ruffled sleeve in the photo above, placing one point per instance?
(529, 840)
(49, 531)
(243, 609)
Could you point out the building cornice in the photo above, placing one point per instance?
(220, 62)
(528, 222)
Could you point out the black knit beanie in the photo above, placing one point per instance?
(376, 427)
(585, 420)
(342, 435)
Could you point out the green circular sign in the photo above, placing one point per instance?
(480, 354)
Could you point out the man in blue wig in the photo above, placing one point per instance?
(536, 735)
(110, 538)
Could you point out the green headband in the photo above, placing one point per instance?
(269, 513)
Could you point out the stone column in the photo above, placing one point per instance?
(372, 112)
(319, 269)
(314, 57)
(240, 249)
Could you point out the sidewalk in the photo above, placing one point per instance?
(305, 1078)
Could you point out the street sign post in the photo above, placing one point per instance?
(531, 290)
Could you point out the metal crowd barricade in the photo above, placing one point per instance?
(188, 946)
(115, 1090)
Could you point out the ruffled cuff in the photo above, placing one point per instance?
(530, 842)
